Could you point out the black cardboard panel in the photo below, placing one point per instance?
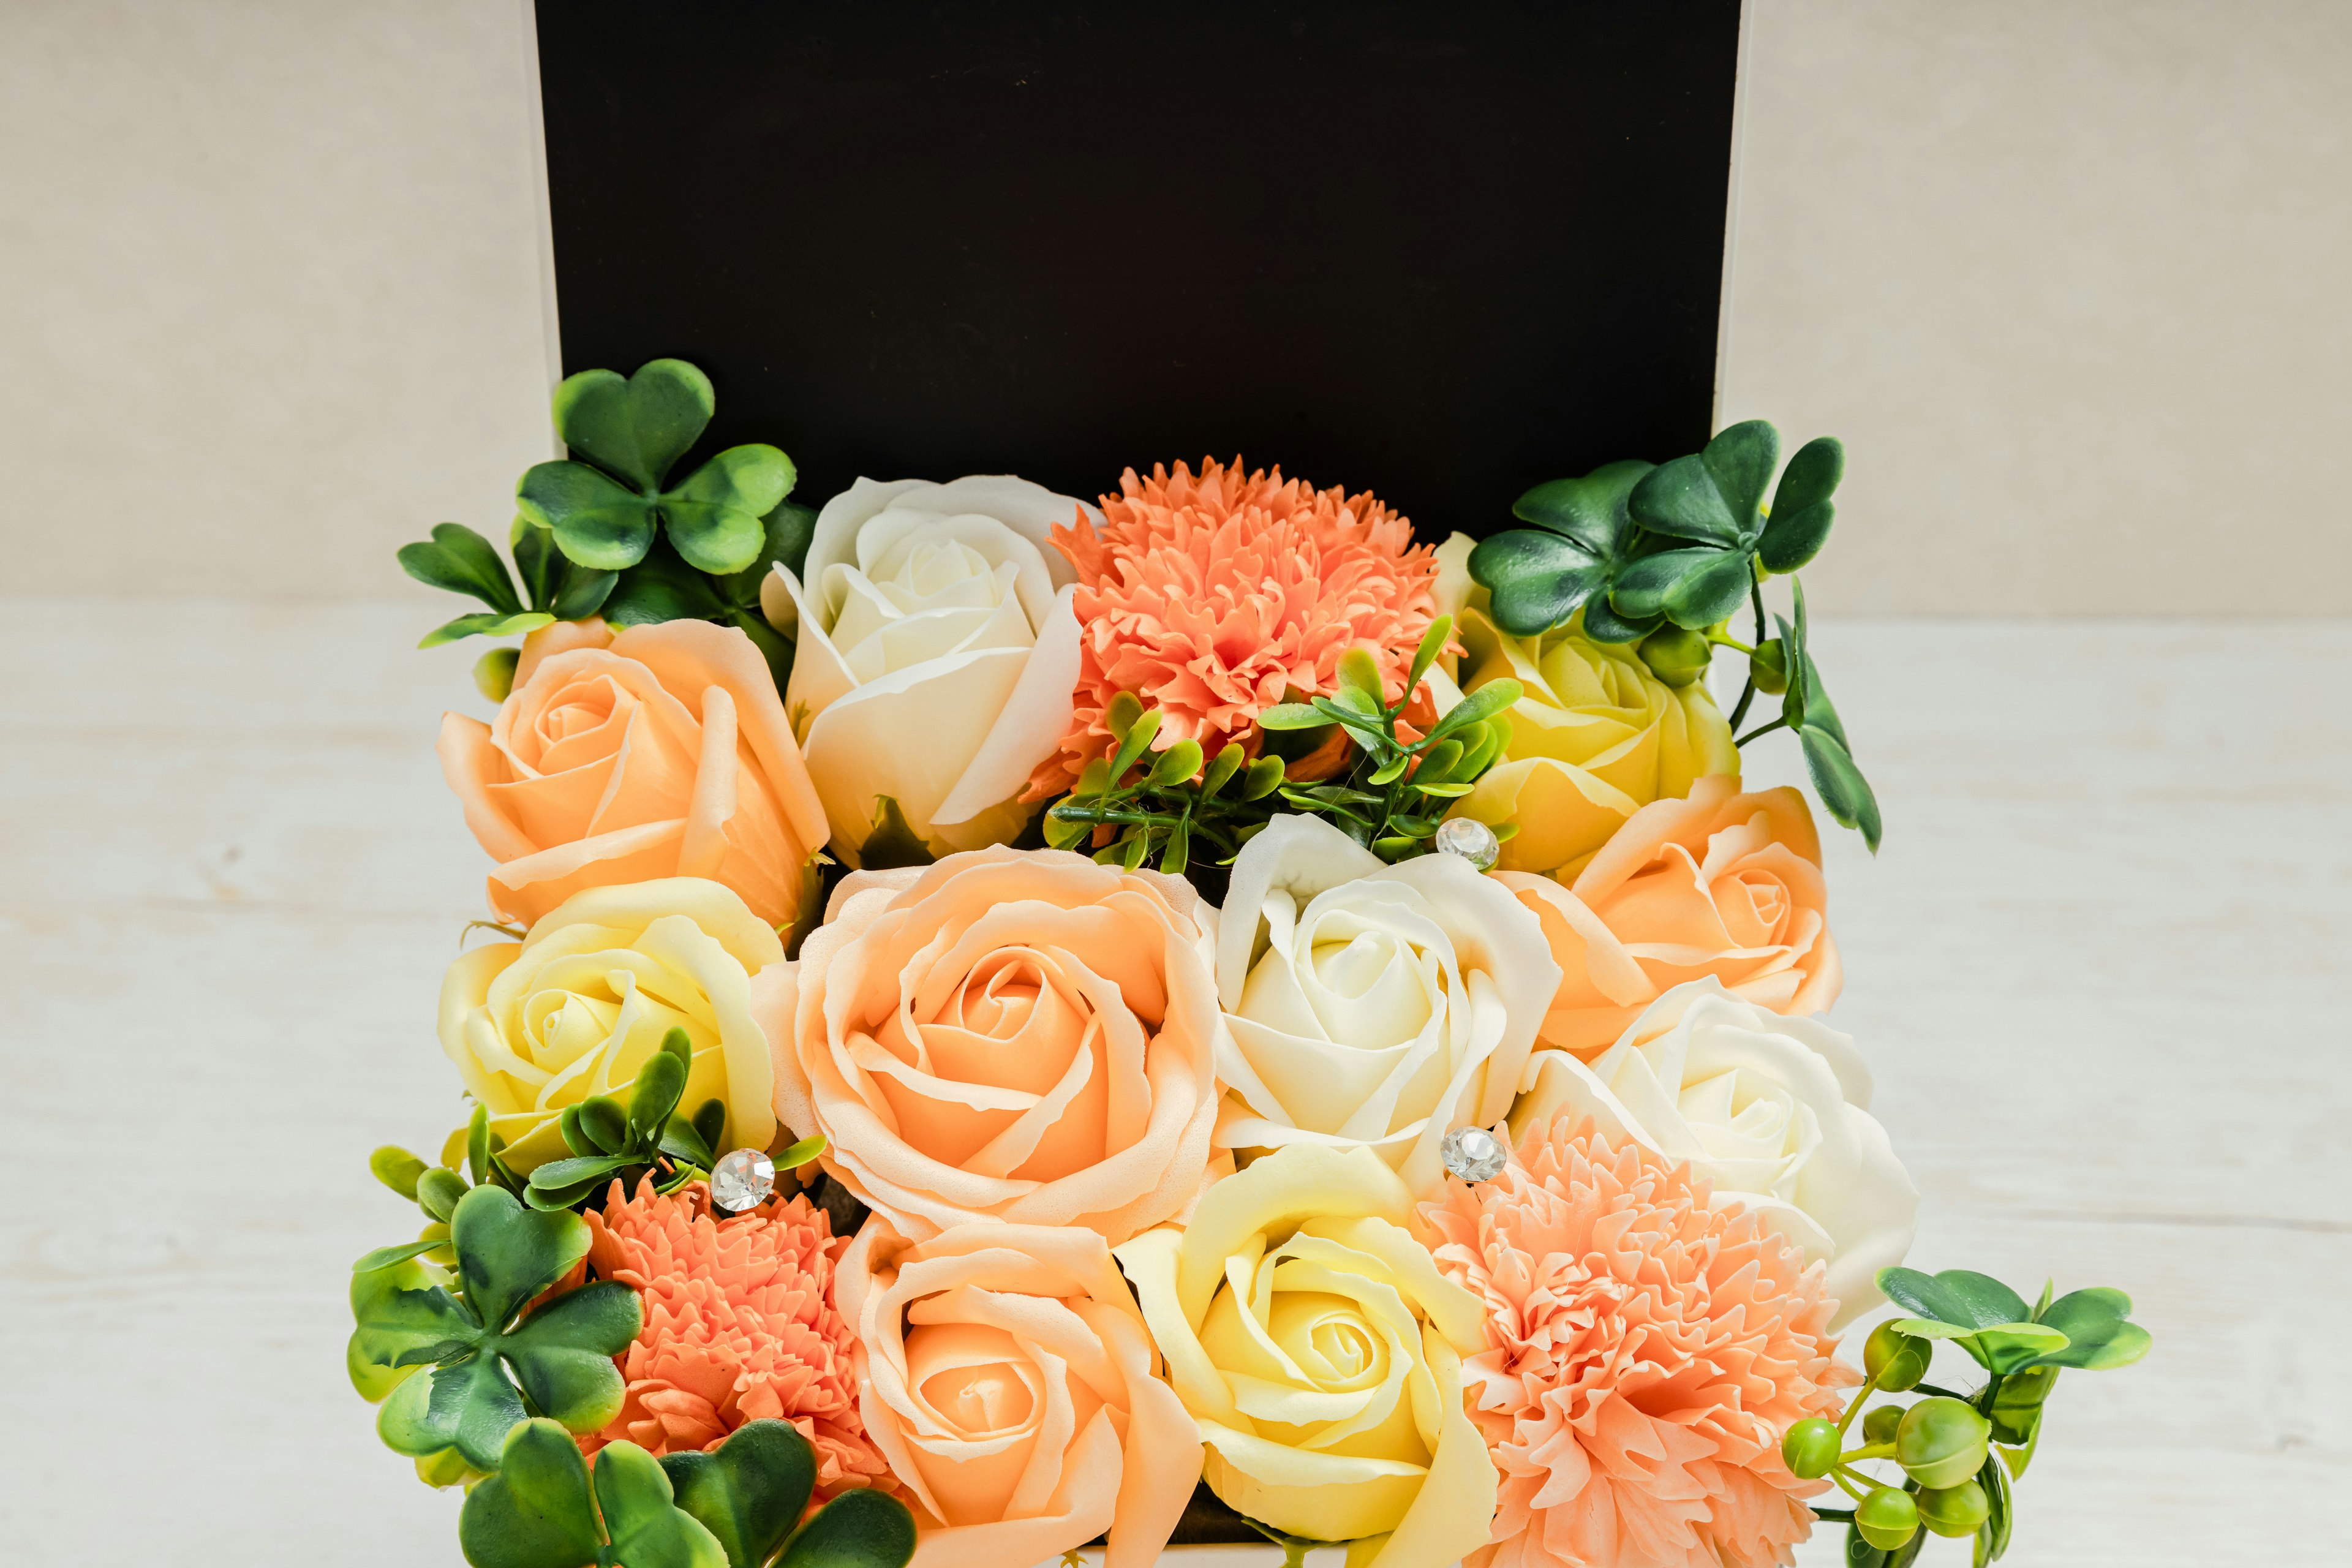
(1438, 250)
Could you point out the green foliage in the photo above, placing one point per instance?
(1390, 796)
(1583, 541)
(610, 1143)
(1961, 1453)
(737, 1507)
(1805, 708)
(459, 558)
(457, 1357)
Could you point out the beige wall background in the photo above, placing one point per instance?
(2066, 275)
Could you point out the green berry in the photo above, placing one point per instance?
(1954, 1511)
(1810, 1448)
(1878, 1424)
(1768, 667)
(1887, 1518)
(1674, 655)
(494, 672)
(1941, 1442)
(1897, 1361)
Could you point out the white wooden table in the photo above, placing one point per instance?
(2101, 969)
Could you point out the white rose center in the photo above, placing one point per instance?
(930, 594)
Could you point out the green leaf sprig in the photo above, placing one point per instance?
(439, 1189)
(1961, 1453)
(1167, 804)
(1395, 793)
(738, 1506)
(458, 1358)
(552, 588)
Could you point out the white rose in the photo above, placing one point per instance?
(1772, 1111)
(1372, 1005)
(936, 651)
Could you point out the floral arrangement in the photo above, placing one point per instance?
(1022, 1027)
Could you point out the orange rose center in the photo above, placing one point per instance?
(1755, 907)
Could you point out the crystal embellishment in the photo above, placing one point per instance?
(1470, 839)
(1473, 1153)
(743, 1179)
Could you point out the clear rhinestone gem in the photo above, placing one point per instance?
(1474, 1154)
(743, 1179)
(1470, 839)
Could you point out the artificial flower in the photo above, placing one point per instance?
(1008, 1376)
(1717, 884)
(1320, 1353)
(1651, 1348)
(574, 1009)
(660, 751)
(1026, 1037)
(1772, 1112)
(1595, 736)
(739, 1326)
(1212, 597)
(934, 657)
(1368, 1004)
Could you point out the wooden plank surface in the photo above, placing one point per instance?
(2098, 968)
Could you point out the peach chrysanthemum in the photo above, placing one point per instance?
(1215, 597)
(1651, 1350)
(739, 1326)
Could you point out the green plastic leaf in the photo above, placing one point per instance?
(1715, 497)
(1291, 716)
(397, 1168)
(463, 562)
(2012, 1347)
(661, 587)
(749, 1491)
(484, 625)
(802, 1152)
(403, 1317)
(710, 1122)
(1229, 761)
(682, 1142)
(789, 526)
(466, 1404)
(604, 1124)
(559, 1174)
(636, 428)
(507, 1254)
(595, 522)
(647, 1529)
(861, 1528)
(563, 1354)
(1934, 1328)
(1954, 1296)
(1591, 511)
(1801, 508)
(1845, 795)
(478, 1145)
(2103, 1348)
(1692, 588)
(535, 1512)
(660, 1083)
(1603, 623)
(1433, 644)
(1537, 580)
(1477, 707)
(1992, 1536)
(717, 519)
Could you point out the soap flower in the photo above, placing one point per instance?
(662, 751)
(1321, 1354)
(1017, 1036)
(1213, 597)
(1772, 1112)
(935, 651)
(577, 1006)
(1007, 1375)
(1717, 884)
(1594, 737)
(1651, 1349)
(739, 1326)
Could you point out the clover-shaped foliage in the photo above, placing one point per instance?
(1637, 547)
(1805, 708)
(2090, 1330)
(553, 589)
(607, 503)
(738, 1506)
(457, 1359)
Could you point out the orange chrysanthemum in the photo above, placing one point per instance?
(1651, 1350)
(739, 1326)
(1215, 597)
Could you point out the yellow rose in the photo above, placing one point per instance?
(1596, 738)
(1320, 1353)
(574, 1009)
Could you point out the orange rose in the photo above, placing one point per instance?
(1021, 1036)
(1719, 884)
(663, 752)
(1006, 1375)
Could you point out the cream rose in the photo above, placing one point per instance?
(1007, 1376)
(1772, 1111)
(1024, 1037)
(1320, 1353)
(574, 1009)
(1368, 1004)
(936, 653)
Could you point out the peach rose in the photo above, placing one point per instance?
(1006, 1375)
(661, 751)
(1021, 1036)
(1720, 884)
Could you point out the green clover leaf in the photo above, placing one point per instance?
(749, 1491)
(606, 505)
(539, 1509)
(1582, 540)
(478, 1365)
(1712, 504)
